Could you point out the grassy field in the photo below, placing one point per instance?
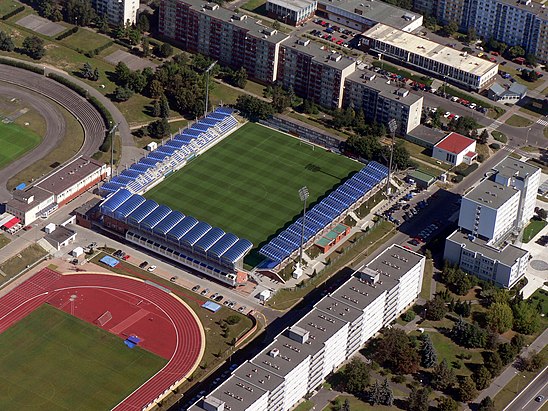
(221, 93)
(4, 241)
(518, 121)
(53, 361)
(427, 280)
(85, 39)
(7, 6)
(357, 405)
(532, 229)
(500, 137)
(254, 177)
(19, 262)
(15, 141)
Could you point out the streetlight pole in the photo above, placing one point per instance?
(111, 132)
(303, 195)
(527, 136)
(392, 126)
(207, 85)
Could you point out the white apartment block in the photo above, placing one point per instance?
(117, 11)
(299, 359)
(444, 62)
(489, 210)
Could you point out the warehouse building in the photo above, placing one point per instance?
(294, 12)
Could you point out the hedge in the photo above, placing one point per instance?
(95, 51)
(105, 114)
(13, 13)
(67, 33)
(467, 170)
(23, 65)
(66, 82)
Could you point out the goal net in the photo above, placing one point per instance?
(104, 318)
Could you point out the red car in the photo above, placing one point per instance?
(340, 42)
(126, 257)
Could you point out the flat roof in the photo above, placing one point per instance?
(421, 176)
(321, 326)
(39, 195)
(507, 255)
(395, 261)
(236, 394)
(455, 143)
(318, 52)
(339, 309)
(511, 167)
(258, 376)
(532, 7)
(60, 234)
(384, 87)
(376, 11)
(253, 26)
(491, 194)
(70, 174)
(430, 49)
(427, 134)
(87, 206)
(295, 5)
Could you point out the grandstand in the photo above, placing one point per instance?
(348, 196)
(174, 154)
(180, 238)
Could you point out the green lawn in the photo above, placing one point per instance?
(518, 121)
(15, 141)
(445, 348)
(4, 241)
(85, 39)
(7, 6)
(427, 280)
(358, 405)
(53, 361)
(14, 265)
(500, 137)
(533, 229)
(253, 5)
(248, 184)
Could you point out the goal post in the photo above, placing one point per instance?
(104, 318)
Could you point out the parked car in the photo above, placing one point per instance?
(151, 268)
(219, 298)
(215, 295)
(125, 257)
(205, 291)
(242, 309)
(196, 288)
(173, 279)
(143, 264)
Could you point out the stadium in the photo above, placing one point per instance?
(239, 201)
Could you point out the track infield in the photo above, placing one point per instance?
(51, 360)
(248, 183)
(15, 141)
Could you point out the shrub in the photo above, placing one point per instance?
(494, 146)
(13, 13)
(67, 33)
(66, 82)
(408, 316)
(23, 65)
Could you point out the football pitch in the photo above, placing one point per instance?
(15, 141)
(52, 361)
(248, 183)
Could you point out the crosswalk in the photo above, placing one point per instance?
(542, 122)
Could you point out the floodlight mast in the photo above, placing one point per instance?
(303, 195)
(207, 85)
(111, 132)
(392, 126)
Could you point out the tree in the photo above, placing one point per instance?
(529, 75)
(154, 89)
(159, 128)
(526, 318)
(6, 43)
(165, 50)
(450, 28)
(34, 47)
(471, 35)
(469, 335)
(493, 363)
(156, 108)
(102, 24)
(447, 404)
(143, 22)
(463, 308)
(79, 12)
(516, 51)
(254, 108)
(356, 377)
(122, 94)
(164, 106)
(396, 351)
(387, 396)
(239, 77)
(443, 377)
(542, 213)
(532, 362)
(435, 309)
(418, 399)
(482, 377)
(95, 76)
(122, 73)
(87, 71)
(145, 45)
(499, 317)
(483, 137)
(428, 353)
(233, 319)
(374, 394)
(487, 404)
(346, 405)
(531, 59)
(276, 25)
(506, 353)
(136, 81)
(467, 389)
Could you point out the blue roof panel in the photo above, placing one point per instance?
(197, 232)
(237, 251)
(155, 217)
(226, 241)
(116, 200)
(168, 223)
(183, 227)
(209, 239)
(129, 206)
(142, 211)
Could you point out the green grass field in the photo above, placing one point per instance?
(248, 184)
(15, 141)
(53, 361)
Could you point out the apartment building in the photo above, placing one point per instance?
(504, 266)
(299, 359)
(117, 11)
(235, 40)
(364, 14)
(382, 100)
(313, 71)
(294, 12)
(443, 62)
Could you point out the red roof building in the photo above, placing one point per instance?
(454, 149)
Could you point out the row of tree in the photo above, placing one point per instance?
(32, 46)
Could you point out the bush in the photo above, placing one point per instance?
(408, 316)
(67, 33)
(466, 172)
(233, 319)
(457, 179)
(66, 82)
(20, 64)
(105, 114)
(494, 146)
(13, 13)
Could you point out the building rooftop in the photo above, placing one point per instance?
(253, 26)
(511, 167)
(295, 5)
(318, 53)
(507, 255)
(70, 174)
(59, 235)
(336, 308)
(497, 89)
(534, 7)
(87, 206)
(427, 134)
(429, 49)
(395, 261)
(385, 87)
(455, 143)
(237, 394)
(258, 376)
(491, 194)
(418, 175)
(321, 327)
(39, 195)
(375, 11)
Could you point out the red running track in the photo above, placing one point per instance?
(189, 343)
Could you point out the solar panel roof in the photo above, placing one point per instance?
(115, 200)
(191, 132)
(122, 180)
(187, 139)
(224, 110)
(176, 144)
(221, 246)
(183, 227)
(197, 232)
(166, 149)
(140, 167)
(209, 238)
(168, 222)
(149, 161)
(133, 174)
(157, 155)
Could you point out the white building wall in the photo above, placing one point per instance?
(373, 316)
(410, 286)
(260, 405)
(335, 351)
(296, 383)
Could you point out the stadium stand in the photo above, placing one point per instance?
(174, 154)
(331, 209)
(180, 238)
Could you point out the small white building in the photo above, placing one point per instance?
(510, 95)
(77, 252)
(455, 149)
(50, 228)
(61, 237)
(265, 295)
(294, 12)
(153, 145)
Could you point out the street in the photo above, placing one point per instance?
(526, 400)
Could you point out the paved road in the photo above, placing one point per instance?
(526, 398)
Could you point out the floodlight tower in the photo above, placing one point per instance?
(111, 132)
(392, 126)
(207, 85)
(303, 195)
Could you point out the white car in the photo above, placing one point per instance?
(151, 268)
(447, 114)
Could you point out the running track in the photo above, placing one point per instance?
(190, 336)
